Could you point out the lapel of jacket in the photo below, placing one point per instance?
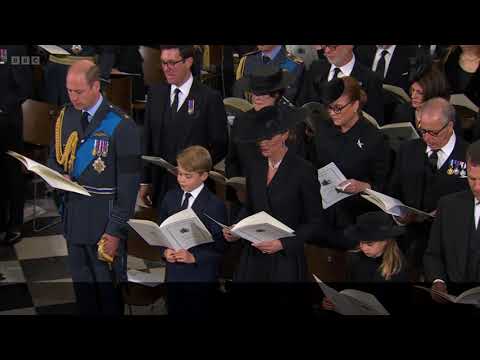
(282, 172)
(260, 182)
(462, 227)
(195, 99)
(100, 114)
(201, 202)
(417, 166)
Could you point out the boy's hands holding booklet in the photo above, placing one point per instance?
(269, 247)
(439, 287)
(227, 234)
(182, 255)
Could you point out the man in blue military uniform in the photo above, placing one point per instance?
(97, 146)
(55, 70)
(276, 55)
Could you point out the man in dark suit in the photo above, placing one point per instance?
(16, 85)
(453, 253)
(56, 68)
(276, 55)
(427, 169)
(391, 62)
(178, 114)
(192, 274)
(342, 62)
(97, 146)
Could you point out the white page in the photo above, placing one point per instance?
(345, 302)
(471, 296)
(329, 178)
(144, 278)
(151, 233)
(463, 100)
(261, 218)
(54, 49)
(52, 177)
(260, 232)
(186, 229)
(369, 303)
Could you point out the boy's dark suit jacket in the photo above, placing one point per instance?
(207, 256)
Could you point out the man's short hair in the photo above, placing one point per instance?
(186, 51)
(473, 153)
(446, 110)
(93, 74)
(195, 159)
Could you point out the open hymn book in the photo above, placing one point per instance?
(392, 206)
(352, 302)
(162, 163)
(238, 183)
(259, 227)
(52, 177)
(182, 230)
(470, 296)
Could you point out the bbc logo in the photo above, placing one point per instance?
(25, 60)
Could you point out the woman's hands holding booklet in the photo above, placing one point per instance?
(227, 234)
(352, 186)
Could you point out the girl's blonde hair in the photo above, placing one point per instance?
(392, 261)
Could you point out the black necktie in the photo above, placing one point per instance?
(335, 73)
(380, 70)
(185, 201)
(175, 101)
(265, 59)
(84, 120)
(433, 160)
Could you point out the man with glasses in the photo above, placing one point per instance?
(340, 61)
(427, 169)
(275, 55)
(179, 113)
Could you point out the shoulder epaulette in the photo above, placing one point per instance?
(119, 111)
(251, 53)
(294, 58)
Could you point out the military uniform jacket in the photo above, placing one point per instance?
(113, 190)
(370, 82)
(284, 60)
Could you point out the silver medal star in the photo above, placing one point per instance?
(360, 144)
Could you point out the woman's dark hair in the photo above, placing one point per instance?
(433, 82)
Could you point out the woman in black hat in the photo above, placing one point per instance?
(267, 84)
(379, 259)
(285, 186)
(357, 148)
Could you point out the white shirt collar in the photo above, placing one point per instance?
(184, 88)
(194, 193)
(390, 49)
(447, 148)
(345, 69)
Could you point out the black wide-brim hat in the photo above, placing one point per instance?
(265, 79)
(328, 92)
(374, 226)
(264, 124)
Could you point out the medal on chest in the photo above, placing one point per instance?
(100, 149)
(450, 168)
(191, 106)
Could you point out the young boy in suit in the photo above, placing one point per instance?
(191, 274)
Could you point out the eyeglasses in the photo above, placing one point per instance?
(435, 133)
(171, 63)
(331, 47)
(338, 109)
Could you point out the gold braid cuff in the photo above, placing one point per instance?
(67, 157)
